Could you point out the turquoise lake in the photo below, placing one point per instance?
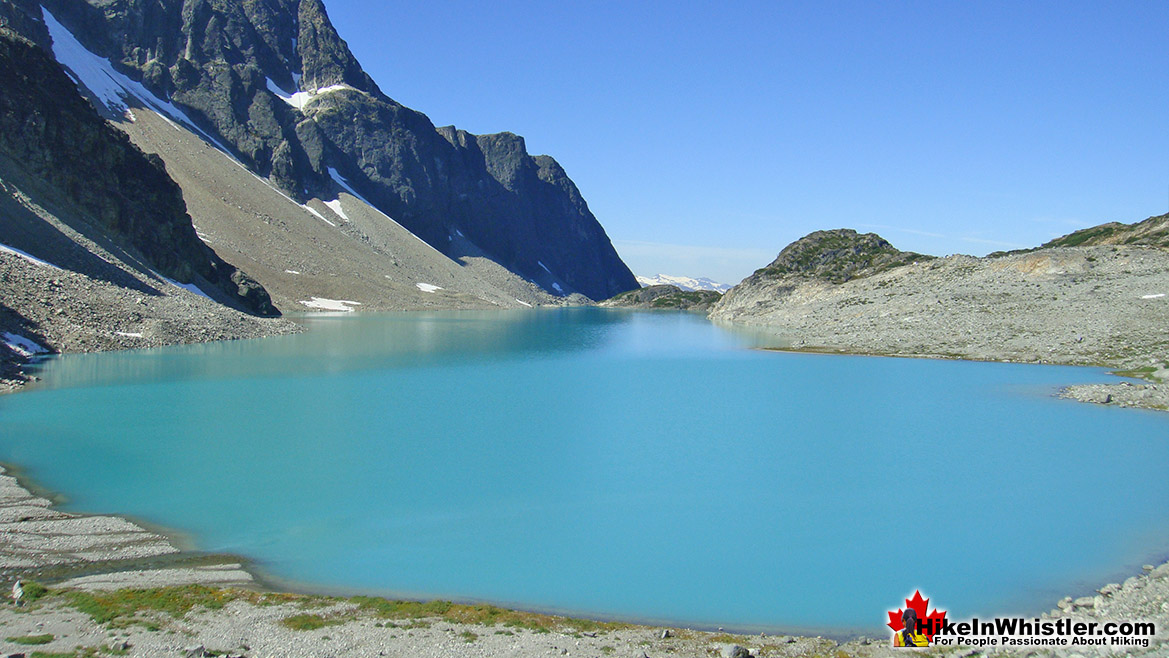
(632, 465)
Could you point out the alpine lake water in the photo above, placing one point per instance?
(641, 466)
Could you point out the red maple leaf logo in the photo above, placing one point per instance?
(930, 623)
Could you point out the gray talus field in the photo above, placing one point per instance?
(342, 250)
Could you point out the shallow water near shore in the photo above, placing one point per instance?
(619, 464)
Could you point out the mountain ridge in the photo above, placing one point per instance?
(225, 63)
(685, 283)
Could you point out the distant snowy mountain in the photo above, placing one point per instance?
(683, 282)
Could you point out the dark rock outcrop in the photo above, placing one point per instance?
(665, 297)
(56, 136)
(22, 17)
(229, 63)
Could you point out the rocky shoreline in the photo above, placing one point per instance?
(1090, 306)
(91, 301)
(1124, 394)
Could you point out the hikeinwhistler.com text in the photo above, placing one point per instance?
(1020, 632)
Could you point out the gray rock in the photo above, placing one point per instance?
(734, 651)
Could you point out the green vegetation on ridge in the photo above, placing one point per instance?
(839, 255)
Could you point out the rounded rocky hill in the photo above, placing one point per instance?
(839, 255)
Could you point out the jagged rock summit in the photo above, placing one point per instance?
(273, 83)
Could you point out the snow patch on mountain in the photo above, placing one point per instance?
(108, 86)
(301, 99)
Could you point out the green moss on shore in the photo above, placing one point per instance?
(126, 607)
(31, 640)
(122, 607)
(480, 614)
(307, 622)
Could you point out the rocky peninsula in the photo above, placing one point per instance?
(1098, 301)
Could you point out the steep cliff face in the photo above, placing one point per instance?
(276, 83)
(54, 135)
(23, 17)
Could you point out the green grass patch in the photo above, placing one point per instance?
(31, 640)
(387, 609)
(33, 591)
(480, 614)
(121, 607)
(468, 636)
(724, 638)
(1144, 372)
(307, 622)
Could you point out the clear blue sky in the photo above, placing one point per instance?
(706, 136)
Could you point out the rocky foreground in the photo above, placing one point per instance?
(1099, 304)
(100, 305)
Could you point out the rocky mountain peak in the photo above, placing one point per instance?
(274, 83)
(838, 255)
(325, 58)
